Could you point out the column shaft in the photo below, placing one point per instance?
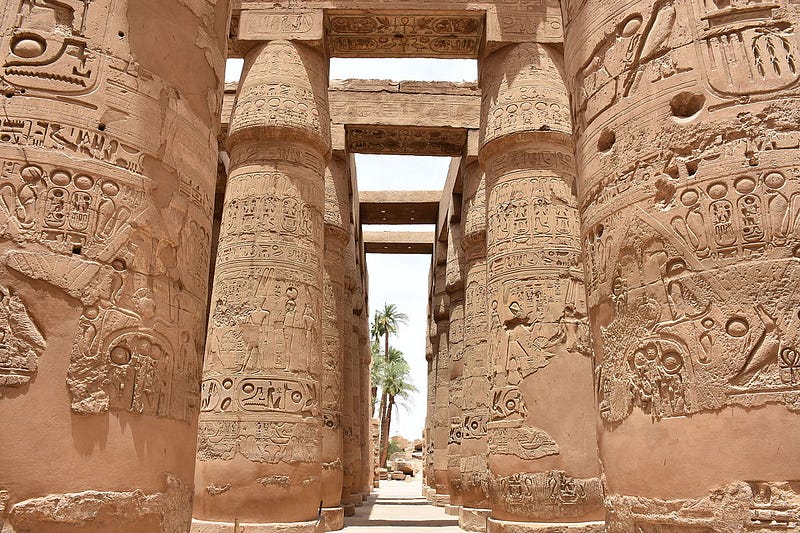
(259, 445)
(108, 155)
(476, 398)
(688, 184)
(455, 292)
(542, 451)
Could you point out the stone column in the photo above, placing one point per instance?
(336, 316)
(364, 402)
(259, 449)
(108, 155)
(440, 420)
(474, 469)
(355, 496)
(691, 236)
(542, 451)
(429, 485)
(348, 403)
(454, 282)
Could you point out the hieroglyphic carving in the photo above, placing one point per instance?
(387, 34)
(269, 442)
(21, 341)
(405, 140)
(547, 494)
(48, 47)
(81, 226)
(523, 442)
(169, 510)
(736, 507)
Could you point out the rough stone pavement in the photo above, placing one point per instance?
(398, 506)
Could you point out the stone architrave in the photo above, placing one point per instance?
(475, 382)
(259, 443)
(336, 316)
(108, 155)
(687, 150)
(440, 421)
(454, 283)
(542, 452)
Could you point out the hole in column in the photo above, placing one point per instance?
(687, 105)
(606, 141)
(77, 249)
(101, 127)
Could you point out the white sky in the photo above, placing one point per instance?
(400, 279)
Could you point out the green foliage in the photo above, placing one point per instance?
(393, 448)
(387, 322)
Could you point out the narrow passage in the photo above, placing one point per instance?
(399, 506)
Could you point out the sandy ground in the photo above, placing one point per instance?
(399, 506)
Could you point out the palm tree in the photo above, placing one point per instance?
(386, 322)
(397, 385)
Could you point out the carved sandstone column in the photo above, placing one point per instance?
(259, 450)
(355, 496)
(108, 164)
(429, 486)
(337, 311)
(440, 421)
(474, 468)
(542, 450)
(364, 403)
(691, 236)
(455, 292)
(348, 381)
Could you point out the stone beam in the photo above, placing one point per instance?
(405, 140)
(399, 207)
(386, 117)
(405, 103)
(375, 28)
(398, 242)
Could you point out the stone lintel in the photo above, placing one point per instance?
(398, 242)
(371, 102)
(399, 207)
(409, 33)
(406, 140)
(383, 117)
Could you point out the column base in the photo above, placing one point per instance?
(349, 509)
(451, 510)
(357, 499)
(440, 500)
(505, 526)
(470, 519)
(333, 517)
(313, 526)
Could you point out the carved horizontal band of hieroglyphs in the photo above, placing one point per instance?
(264, 25)
(259, 441)
(74, 139)
(389, 34)
(513, 160)
(751, 506)
(250, 153)
(411, 140)
(524, 442)
(240, 394)
(546, 495)
(21, 341)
